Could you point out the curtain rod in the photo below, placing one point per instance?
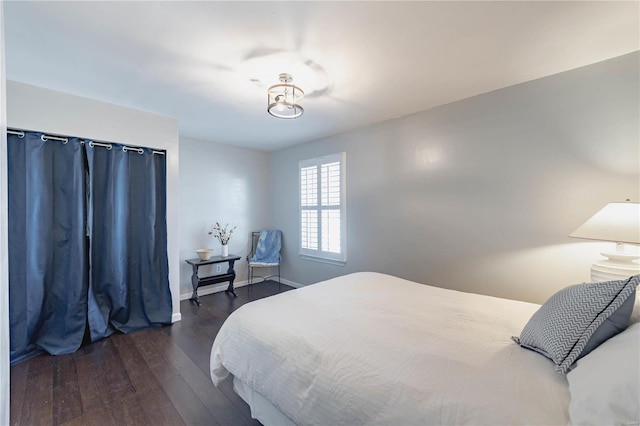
(16, 132)
(44, 137)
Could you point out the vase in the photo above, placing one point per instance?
(225, 250)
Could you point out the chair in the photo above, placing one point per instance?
(265, 253)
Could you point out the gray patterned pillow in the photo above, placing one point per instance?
(575, 320)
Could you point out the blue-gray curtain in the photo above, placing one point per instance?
(129, 273)
(87, 243)
(47, 247)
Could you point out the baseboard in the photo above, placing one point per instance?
(291, 283)
(176, 317)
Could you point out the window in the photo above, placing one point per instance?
(322, 208)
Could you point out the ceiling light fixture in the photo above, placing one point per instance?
(284, 98)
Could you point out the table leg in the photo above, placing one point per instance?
(231, 271)
(194, 284)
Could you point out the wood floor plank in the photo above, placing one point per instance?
(151, 377)
(36, 407)
(196, 340)
(211, 397)
(188, 404)
(198, 348)
(156, 404)
(201, 384)
(226, 387)
(77, 421)
(127, 405)
(129, 410)
(18, 383)
(67, 403)
(195, 337)
(94, 393)
(116, 377)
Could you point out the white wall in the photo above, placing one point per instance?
(220, 183)
(481, 194)
(4, 250)
(34, 108)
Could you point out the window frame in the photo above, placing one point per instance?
(319, 255)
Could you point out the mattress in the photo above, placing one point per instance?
(370, 348)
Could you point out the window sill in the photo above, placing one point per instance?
(323, 260)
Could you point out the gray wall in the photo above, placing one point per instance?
(220, 183)
(481, 194)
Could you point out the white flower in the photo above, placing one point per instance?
(222, 234)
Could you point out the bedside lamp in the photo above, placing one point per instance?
(620, 223)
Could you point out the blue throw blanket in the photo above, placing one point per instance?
(268, 248)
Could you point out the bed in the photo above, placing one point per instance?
(369, 348)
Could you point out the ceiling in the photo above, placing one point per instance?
(209, 63)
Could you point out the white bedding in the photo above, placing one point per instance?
(369, 348)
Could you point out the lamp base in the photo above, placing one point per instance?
(618, 266)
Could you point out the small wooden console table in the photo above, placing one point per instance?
(197, 281)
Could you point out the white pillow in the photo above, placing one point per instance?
(635, 315)
(605, 385)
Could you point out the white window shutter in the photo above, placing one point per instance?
(323, 208)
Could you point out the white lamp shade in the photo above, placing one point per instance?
(618, 222)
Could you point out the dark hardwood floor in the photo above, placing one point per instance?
(158, 376)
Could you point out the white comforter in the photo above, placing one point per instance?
(369, 348)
